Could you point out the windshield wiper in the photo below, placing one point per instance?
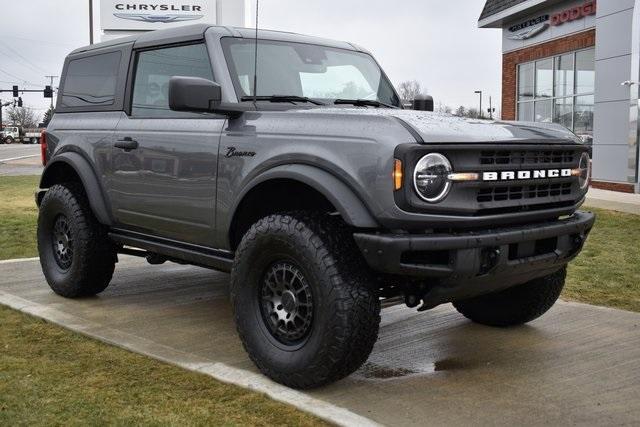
(282, 98)
(363, 103)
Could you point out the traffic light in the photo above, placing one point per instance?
(48, 92)
(19, 101)
(15, 91)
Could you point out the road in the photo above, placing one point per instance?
(578, 364)
(20, 159)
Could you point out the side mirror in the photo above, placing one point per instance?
(423, 103)
(193, 94)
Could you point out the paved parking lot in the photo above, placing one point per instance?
(578, 364)
(20, 159)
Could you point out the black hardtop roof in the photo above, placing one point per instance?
(196, 31)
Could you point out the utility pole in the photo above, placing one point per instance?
(2, 105)
(90, 21)
(480, 112)
(51, 77)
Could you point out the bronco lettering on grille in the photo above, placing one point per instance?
(526, 174)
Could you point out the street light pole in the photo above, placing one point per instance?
(90, 21)
(480, 112)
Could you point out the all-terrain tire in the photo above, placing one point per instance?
(346, 308)
(517, 305)
(86, 266)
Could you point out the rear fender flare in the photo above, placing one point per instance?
(92, 187)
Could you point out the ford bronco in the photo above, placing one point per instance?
(290, 162)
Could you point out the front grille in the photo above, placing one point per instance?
(502, 196)
(520, 192)
(523, 157)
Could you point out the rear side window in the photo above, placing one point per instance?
(156, 67)
(92, 81)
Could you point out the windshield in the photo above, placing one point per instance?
(297, 69)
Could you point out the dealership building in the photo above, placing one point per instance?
(576, 63)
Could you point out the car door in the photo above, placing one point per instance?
(164, 163)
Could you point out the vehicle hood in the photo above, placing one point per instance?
(430, 127)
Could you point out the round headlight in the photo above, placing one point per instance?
(431, 177)
(585, 170)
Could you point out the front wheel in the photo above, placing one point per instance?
(517, 305)
(302, 300)
(8, 140)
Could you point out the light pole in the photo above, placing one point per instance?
(90, 21)
(480, 112)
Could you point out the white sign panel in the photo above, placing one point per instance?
(124, 15)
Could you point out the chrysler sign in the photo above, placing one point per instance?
(154, 14)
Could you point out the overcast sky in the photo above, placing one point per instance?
(435, 42)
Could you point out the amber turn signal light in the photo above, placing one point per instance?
(397, 174)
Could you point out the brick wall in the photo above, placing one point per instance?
(511, 60)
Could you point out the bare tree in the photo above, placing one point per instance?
(473, 113)
(409, 90)
(442, 108)
(23, 116)
(461, 111)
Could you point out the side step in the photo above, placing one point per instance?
(202, 256)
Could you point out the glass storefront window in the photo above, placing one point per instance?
(585, 71)
(525, 81)
(544, 78)
(563, 112)
(525, 111)
(564, 75)
(583, 116)
(543, 111)
(560, 90)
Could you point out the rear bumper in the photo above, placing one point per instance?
(469, 263)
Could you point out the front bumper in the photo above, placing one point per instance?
(469, 263)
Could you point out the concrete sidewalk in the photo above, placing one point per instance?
(613, 200)
(579, 364)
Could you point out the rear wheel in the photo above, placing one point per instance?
(76, 255)
(302, 300)
(517, 305)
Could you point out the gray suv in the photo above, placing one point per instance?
(290, 163)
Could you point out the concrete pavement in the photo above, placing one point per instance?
(577, 364)
(613, 200)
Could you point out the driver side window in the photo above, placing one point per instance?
(155, 68)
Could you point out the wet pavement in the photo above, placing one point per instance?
(579, 364)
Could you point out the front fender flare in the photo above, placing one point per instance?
(344, 199)
(92, 187)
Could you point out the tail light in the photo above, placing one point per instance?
(43, 147)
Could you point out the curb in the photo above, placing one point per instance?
(219, 371)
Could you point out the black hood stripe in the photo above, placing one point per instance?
(410, 129)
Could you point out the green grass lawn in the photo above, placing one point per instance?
(50, 376)
(18, 216)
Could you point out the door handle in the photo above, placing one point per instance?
(126, 144)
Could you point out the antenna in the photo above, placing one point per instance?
(255, 59)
